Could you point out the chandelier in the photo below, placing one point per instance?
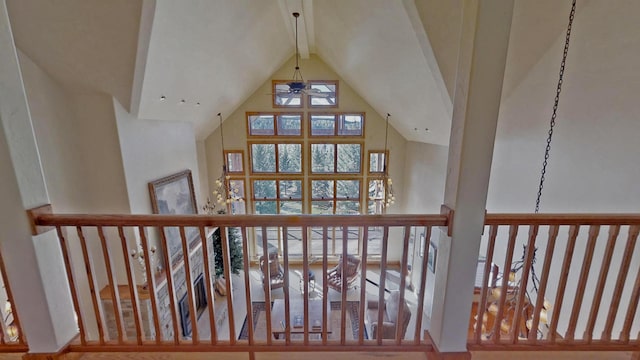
(224, 193)
(381, 188)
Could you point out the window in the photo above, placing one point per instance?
(336, 158)
(277, 196)
(234, 160)
(323, 94)
(335, 196)
(322, 124)
(282, 97)
(376, 161)
(237, 188)
(276, 158)
(274, 124)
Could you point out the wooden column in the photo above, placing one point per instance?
(481, 62)
(34, 264)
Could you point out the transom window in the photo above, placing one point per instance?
(323, 94)
(274, 124)
(282, 97)
(324, 124)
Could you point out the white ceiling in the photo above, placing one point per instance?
(399, 55)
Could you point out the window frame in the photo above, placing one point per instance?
(274, 95)
(323, 82)
(226, 161)
(277, 199)
(386, 158)
(244, 191)
(277, 163)
(337, 121)
(276, 116)
(335, 157)
(335, 198)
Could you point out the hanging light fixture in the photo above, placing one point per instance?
(297, 84)
(224, 194)
(383, 185)
(516, 280)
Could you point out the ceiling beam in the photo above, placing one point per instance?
(305, 23)
(427, 51)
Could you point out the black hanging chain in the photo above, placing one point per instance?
(555, 105)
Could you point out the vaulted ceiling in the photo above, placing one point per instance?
(399, 55)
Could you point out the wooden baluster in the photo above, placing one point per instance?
(266, 272)
(403, 284)
(93, 285)
(151, 283)
(287, 300)
(113, 286)
(423, 284)
(343, 303)
(562, 285)
(193, 315)
(582, 282)
(383, 267)
(614, 230)
(513, 233)
(16, 320)
(133, 289)
(170, 290)
(482, 307)
(305, 273)
(632, 238)
(548, 256)
(631, 310)
(363, 285)
(247, 285)
(72, 286)
(325, 286)
(226, 261)
(520, 304)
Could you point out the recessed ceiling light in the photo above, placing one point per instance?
(183, 101)
(427, 130)
(197, 104)
(163, 98)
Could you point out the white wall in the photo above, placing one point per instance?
(152, 149)
(424, 167)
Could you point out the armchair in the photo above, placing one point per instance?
(334, 275)
(276, 272)
(390, 317)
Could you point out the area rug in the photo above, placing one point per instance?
(351, 328)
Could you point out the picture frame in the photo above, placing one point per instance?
(432, 257)
(175, 195)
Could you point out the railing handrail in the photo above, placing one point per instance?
(239, 220)
(563, 219)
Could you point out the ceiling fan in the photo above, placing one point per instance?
(297, 86)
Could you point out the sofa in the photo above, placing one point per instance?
(389, 317)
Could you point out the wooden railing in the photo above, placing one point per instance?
(101, 257)
(576, 285)
(12, 338)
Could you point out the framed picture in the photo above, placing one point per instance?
(433, 254)
(174, 195)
